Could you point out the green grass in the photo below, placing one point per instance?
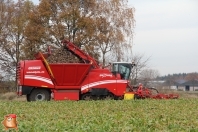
(104, 116)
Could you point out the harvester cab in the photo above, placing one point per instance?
(122, 68)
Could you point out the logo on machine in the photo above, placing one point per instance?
(35, 72)
(105, 75)
(34, 68)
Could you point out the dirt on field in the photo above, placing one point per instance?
(188, 95)
(11, 96)
(182, 94)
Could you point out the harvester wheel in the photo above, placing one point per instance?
(86, 96)
(110, 96)
(39, 95)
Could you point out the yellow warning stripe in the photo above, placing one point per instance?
(47, 65)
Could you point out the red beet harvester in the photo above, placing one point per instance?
(39, 80)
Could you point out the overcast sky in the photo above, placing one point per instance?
(167, 32)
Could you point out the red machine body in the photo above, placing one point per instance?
(39, 80)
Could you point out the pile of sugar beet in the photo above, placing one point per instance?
(62, 55)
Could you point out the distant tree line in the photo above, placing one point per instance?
(179, 76)
(172, 79)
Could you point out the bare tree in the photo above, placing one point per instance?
(7, 48)
(12, 23)
(115, 25)
(147, 76)
(141, 63)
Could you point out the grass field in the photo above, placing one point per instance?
(104, 116)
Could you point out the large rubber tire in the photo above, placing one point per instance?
(39, 95)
